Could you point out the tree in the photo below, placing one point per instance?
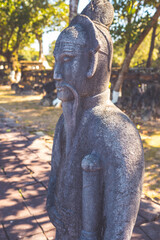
(15, 26)
(28, 54)
(141, 55)
(156, 61)
(133, 21)
(49, 57)
(53, 17)
(73, 6)
(152, 45)
(22, 20)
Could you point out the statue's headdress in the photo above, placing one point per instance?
(96, 19)
(100, 11)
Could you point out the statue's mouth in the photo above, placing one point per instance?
(61, 86)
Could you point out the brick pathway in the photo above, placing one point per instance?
(25, 166)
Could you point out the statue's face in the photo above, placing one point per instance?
(71, 63)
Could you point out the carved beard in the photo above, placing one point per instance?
(70, 111)
(76, 97)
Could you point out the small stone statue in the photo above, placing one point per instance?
(97, 160)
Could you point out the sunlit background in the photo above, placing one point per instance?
(48, 38)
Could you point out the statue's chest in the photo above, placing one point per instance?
(69, 179)
(69, 175)
(68, 194)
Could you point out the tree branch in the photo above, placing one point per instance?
(127, 60)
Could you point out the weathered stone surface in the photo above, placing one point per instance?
(1, 125)
(139, 221)
(10, 122)
(44, 221)
(2, 233)
(51, 234)
(152, 229)
(21, 227)
(97, 162)
(21, 181)
(17, 182)
(138, 234)
(149, 210)
(39, 236)
(46, 102)
(33, 190)
(37, 206)
(12, 206)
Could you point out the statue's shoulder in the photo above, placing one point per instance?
(111, 122)
(112, 131)
(111, 115)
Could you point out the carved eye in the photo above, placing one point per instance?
(66, 58)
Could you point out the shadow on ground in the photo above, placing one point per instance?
(24, 173)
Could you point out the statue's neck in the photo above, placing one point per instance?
(73, 111)
(96, 100)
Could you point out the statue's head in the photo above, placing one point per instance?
(83, 55)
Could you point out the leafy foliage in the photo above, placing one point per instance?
(28, 54)
(133, 21)
(50, 57)
(22, 20)
(54, 16)
(131, 18)
(15, 25)
(140, 57)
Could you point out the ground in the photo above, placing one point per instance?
(36, 119)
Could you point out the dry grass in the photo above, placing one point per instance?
(34, 117)
(151, 143)
(28, 111)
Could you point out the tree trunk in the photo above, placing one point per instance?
(73, 6)
(40, 49)
(127, 48)
(149, 60)
(39, 39)
(127, 60)
(8, 57)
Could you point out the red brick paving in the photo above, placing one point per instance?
(24, 172)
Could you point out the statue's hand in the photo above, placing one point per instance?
(88, 235)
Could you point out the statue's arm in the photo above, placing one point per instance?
(111, 194)
(122, 192)
(91, 197)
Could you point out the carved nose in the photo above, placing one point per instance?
(57, 74)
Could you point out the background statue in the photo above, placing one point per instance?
(97, 161)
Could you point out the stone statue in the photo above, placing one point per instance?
(97, 160)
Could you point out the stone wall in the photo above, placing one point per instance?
(138, 75)
(140, 92)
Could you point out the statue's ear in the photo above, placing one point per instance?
(92, 64)
(92, 37)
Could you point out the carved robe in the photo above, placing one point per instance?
(106, 131)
